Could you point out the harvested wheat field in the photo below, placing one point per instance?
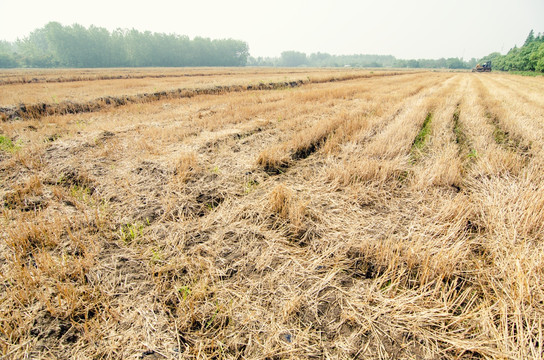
(261, 214)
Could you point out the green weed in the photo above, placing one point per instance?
(500, 136)
(460, 137)
(421, 137)
(250, 186)
(81, 193)
(210, 322)
(7, 145)
(185, 291)
(156, 256)
(128, 233)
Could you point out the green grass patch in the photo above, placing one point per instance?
(185, 291)
(7, 145)
(128, 233)
(81, 193)
(421, 138)
(461, 138)
(250, 186)
(472, 154)
(500, 136)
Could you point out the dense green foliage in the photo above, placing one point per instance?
(529, 57)
(56, 45)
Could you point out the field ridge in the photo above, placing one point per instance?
(36, 111)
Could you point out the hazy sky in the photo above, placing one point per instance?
(405, 29)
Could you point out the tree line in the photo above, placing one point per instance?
(296, 58)
(529, 57)
(55, 45)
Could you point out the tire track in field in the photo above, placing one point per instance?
(332, 133)
(508, 133)
(226, 162)
(463, 143)
(36, 111)
(524, 90)
(207, 184)
(521, 119)
(291, 111)
(338, 216)
(242, 145)
(390, 142)
(229, 152)
(437, 154)
(383, 155)
(295, 231)
(487, 157)
(502, 184)
(380, 123)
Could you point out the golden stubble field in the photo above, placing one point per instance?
(330, 214)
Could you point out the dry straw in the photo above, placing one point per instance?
(355, 216)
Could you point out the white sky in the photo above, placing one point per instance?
(405, 29)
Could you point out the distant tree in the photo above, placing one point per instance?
(413, 64)
(293, 58)
(529, 57)
(455, 63)
(78, 46)
(7, 61)
(530, 38)
(6, 47)
(538, 58)
(493, 56)
(320, 59)
(472, 63)
(262, 61)
(34, 50)
(373, 64)
(7, 55)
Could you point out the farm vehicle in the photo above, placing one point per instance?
(485, 67)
